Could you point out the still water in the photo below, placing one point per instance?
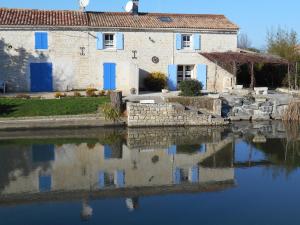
(242, 174)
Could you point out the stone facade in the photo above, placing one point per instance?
(167, 114)
(77, 64)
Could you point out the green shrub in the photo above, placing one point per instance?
(110, 112)
(190, 88)
(155, 81)
(91, 92)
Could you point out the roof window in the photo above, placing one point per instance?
(165, 19)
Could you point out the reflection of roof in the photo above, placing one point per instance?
(29, 17)
(243, 58)
(17, 199)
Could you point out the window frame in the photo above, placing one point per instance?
(182, 74)
(111, 46)
(184, 43)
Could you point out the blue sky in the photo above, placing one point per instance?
(253, 16)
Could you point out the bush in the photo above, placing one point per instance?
(60, 95)
(190, 88)
(23, 96)
(91, 92)
(110, 112)
(101, 93)
(155, 81)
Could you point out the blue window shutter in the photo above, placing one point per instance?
(38, 40)
(101, 179)
(202, 74)
(178, 41)
(45, 183)
(172, 150)
(41, 40)
(120, 179)
(172, 77)
(120, 41)
(177, 176)
(194, 174)
(107, 152)
(99, 40)
(197, 42)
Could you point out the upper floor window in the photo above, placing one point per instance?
(109, 41)
(41, 40)
(186, 41)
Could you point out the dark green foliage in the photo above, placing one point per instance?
(190, 88)
(155, 81)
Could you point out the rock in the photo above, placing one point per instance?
(259, 138)
(260, 100)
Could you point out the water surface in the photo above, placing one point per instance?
(243, 174)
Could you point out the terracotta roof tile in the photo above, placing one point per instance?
(29, 17)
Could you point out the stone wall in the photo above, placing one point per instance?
(167, 114)
(74, 70)
(255, 108)
(211, 105)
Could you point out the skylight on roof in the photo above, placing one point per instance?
(165, 19)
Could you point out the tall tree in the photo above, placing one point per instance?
(244, 41)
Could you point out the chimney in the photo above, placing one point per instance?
(135, 9)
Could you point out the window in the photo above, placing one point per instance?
(184, 72)
(109, 40)
(165, 19)
(41, 40)
(186, 41)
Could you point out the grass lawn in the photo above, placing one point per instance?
(12, 107)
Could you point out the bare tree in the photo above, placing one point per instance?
(243, 41)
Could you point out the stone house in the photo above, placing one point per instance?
(66, 50)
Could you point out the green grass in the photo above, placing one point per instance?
(12, 107)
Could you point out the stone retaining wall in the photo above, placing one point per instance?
(211, 105)
(167, 114)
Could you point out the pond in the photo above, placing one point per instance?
(246, 173)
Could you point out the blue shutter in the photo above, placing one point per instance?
(194, 174)
(176, 176)
(178, 41)
(45, 183)
(172, 150)
(101, 179)
(120, 41)
(202, 74)
(99, 40)
(120, 179)
(172, 77)
(107, 152)
(41, 40)
(197, 42)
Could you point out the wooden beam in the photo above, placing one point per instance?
(252, 84)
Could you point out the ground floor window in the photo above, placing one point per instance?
(184, 72)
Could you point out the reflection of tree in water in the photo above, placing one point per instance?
(221, 159)
(189, 149)
(14, 158)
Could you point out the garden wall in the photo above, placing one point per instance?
(167, 114)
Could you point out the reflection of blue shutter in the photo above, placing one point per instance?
(101, 179)
(194, 174)
(120, 178)
(202, 74)
(172, 77)
(197, 42)
(120, 41)
(172, 150)
(178, 41)
(45, 183)
(202, 148)
(107, 152)
(99, 40)
(176, 176)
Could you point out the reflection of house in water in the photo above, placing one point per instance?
(168, 161)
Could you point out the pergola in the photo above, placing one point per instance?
(232, 60)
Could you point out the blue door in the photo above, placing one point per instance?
(202, 74)
(109, 70)
(41, 77)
